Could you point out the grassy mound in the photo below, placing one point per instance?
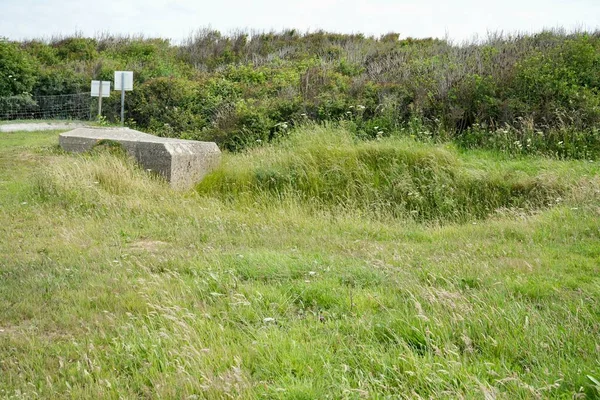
(327, 167)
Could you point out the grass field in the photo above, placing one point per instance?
(314, 268)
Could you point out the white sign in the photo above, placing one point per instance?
(127, 80)
(96, 88)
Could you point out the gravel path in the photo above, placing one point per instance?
(39, 126)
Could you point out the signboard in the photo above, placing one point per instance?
(96, 88)
(124, 79)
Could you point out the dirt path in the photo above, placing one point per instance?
(39, 126)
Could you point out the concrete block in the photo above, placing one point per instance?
(182, 162)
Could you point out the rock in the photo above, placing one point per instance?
(181, 162)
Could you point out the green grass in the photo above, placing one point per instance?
(112, 285)
(393, 177)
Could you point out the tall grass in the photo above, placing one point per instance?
(392, 177)
(114, 286)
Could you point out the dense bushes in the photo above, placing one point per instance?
(246, 87)
(18, 106)
(561, 82)
(167, 105)
(17, 70)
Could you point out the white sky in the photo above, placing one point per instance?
(175, 19)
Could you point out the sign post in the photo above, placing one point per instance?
(122, 98)
(100, 89)
(123, 82)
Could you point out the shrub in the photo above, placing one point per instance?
(43, 52)
(59, 80)
(76, 49)
(17, 107)
(18, 70)
(561, 81)
(166, 106)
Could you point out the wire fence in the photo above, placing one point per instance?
(64, 106)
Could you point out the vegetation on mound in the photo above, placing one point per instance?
(392, 177)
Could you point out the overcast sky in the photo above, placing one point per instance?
(459, 19)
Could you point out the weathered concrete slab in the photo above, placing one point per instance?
(182, 162)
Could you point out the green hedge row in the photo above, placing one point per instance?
(244, 89)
